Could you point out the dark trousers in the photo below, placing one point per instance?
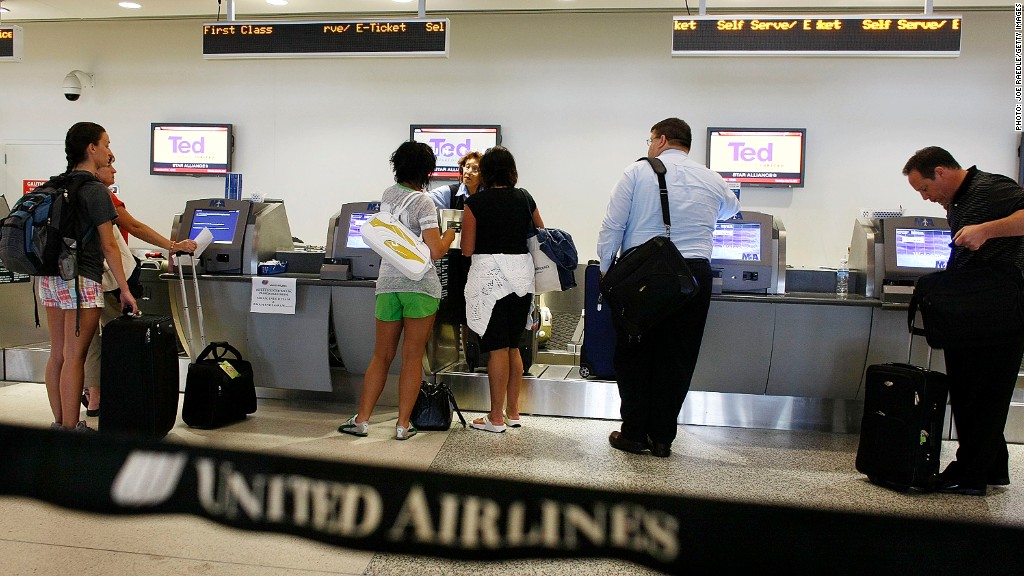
(654, 370)
(981, 383)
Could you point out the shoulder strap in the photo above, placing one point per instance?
(659, 169)
(409, 198)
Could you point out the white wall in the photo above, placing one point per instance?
(575, 95)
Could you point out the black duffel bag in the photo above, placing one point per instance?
(434, 406)
(969, 307)
(218, 390)
(650, 281)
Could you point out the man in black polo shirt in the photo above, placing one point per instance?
(986, 216)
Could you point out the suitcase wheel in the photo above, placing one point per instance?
(585, 371)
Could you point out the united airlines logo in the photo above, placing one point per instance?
(147, 478)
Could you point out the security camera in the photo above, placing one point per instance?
(73, 84)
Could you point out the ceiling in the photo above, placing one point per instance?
(25, 10)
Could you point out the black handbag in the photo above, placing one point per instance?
(218, 390)
(969, 307)
(650, 281)
(434, 406)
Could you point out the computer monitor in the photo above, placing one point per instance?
(226, 219)
(766, 157)
(914, 246)
(451, 142)
(743, 254)
(345, 243)
(190, 149)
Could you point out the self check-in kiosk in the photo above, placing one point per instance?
(347, 256)
(244, 233)
(892, 253)
(748, 254)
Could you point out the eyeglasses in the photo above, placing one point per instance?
(650, 140)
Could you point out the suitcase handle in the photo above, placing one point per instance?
(217, 350)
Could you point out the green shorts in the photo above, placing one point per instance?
(393, 306)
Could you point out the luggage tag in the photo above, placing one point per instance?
(228, 369)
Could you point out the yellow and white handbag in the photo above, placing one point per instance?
(395, 243)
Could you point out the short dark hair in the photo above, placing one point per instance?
(926, 160)
(412, 163)
(78, 139)
(674, 130)
(498, 168)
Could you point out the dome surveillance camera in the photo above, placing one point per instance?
(73, 84)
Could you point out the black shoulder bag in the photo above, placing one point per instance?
(650, 281)
(969, 307)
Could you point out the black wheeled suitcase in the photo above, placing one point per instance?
(475, 358)
(598, 350)
(219, 389)
(139, 376)
(901, 431)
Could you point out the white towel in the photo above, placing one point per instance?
(491, 278)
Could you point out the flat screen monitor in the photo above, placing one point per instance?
(227, 220)
(345, 244)
(451, 142)
(765, 157)
(737, 241)
(221, 223)
(354, 239)
(922, 248)
(914, 246)
(190, 149)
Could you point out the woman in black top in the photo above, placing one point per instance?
(496, 224)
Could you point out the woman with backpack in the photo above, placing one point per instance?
(73, 306)
(404, 305)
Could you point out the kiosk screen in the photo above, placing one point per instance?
(221, 223)
(737, 241)
(355, 223)
(922, 248)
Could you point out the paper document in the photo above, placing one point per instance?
(203, 240)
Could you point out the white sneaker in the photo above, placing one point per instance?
(405, 433)
(354, 428)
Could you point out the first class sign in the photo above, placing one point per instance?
(273, 39)
(11, 41)
(886, 35)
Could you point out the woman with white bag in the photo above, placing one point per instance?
(496, 224)
(404, 305)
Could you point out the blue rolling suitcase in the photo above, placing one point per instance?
(598, 350)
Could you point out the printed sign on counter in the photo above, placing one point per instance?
(30, 185)
(272, 295)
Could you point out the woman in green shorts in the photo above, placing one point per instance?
(404, 305)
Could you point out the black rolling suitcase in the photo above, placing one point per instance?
(598, 351)
(901, 431)
(139, 376)
(219, 390)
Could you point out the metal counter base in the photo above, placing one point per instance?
(557, 390)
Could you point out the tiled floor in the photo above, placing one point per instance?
(766, 466)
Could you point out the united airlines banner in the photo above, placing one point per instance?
(431, 514)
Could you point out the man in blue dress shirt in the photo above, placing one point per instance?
(654, 371)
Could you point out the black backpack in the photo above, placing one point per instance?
(40, 237)
(40, 231)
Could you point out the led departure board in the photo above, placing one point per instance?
(11, 40)
(921, 35)
(273, 39)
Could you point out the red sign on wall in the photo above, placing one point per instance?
(30, 185)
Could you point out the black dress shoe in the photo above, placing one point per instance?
(619, 442)
(998, 480)
(660, 449)
(961, 487)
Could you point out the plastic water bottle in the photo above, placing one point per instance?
(843, 279)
